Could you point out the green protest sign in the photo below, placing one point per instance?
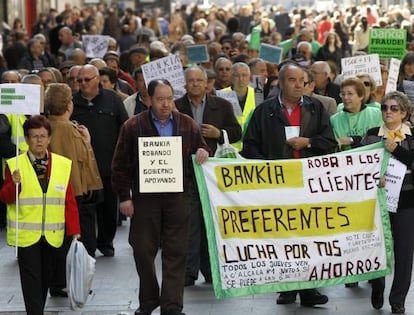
(387, 43)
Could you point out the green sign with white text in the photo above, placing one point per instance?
(387, 43)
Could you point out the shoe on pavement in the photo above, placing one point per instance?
(58, 292)
(288, 297)
(172, 312)
(145, 311)
(377, 293)
(107, 252)
(189, 282)
(312, 298)
(397, 308)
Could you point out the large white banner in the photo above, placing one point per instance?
(294, 224)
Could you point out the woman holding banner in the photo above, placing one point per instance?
(398, 139)
(46, 208)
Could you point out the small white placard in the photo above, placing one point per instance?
(394, 177)
(393, 75)
(95, 45)
(292, 132)
(231, 96)
(160, 164)
(25, 99)
(169, 68)
(366, 64)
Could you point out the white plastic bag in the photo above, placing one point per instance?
(80, 268)
(226, 150)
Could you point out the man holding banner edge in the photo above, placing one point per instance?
(314, 136)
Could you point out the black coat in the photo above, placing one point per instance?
(265, 136)
(217, 112)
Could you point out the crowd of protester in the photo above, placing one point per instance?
(109, 90)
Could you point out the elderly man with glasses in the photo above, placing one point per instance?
(103, 113)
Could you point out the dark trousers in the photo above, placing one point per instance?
(401, 226)
(3, 210)
(197, 257)
(160, 219)
(87, 221)
(35, 265)
(106, 214)
(402, 231)
(58, 279)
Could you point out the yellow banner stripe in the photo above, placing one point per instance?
(301, 220)
(233, 177)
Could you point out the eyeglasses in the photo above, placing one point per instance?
(223, 69)
(342, 95)
(367, 83)
(393, 108)
(38, 137)
(87, 80)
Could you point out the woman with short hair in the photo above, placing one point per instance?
(399, 141)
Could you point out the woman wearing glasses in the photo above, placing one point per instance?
(370, 87)
(351, 123)
(398, 139)
(46, 210)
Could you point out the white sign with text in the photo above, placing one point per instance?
(160, 163)
(366, 64)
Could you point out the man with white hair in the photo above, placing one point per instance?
(323, 85)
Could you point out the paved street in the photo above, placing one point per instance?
(115, 289)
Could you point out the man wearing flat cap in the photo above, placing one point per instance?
(112, 60)
(138, 56)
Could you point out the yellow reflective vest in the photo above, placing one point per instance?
(23, 147)
(249, 107)
(39, 214)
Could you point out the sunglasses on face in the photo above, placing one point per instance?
(393, 108)
(87, 80)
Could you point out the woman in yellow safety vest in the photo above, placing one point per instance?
(46, 209)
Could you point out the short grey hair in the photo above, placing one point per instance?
(238, 65)
(402, 100)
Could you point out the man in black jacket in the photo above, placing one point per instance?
(103, 113)
(265, 138)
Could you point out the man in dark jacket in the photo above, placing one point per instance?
(213, 115)
(34, 59)
(103, 112)
(265, 138)
(157, 217)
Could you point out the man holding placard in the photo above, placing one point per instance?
(288, 126)
(152, 176)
